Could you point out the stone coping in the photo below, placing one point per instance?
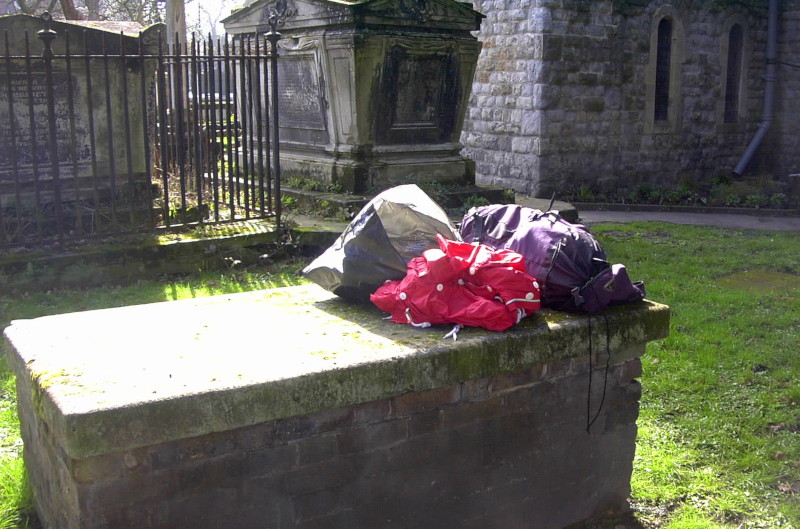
(122, 378)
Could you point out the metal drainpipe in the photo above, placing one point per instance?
(769, 89)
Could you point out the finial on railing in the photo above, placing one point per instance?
(273, 21)
(47, 35)
(273, 36)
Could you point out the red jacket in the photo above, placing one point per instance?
(461, 283)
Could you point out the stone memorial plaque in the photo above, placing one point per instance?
(419, 93)
(419, 89)
(31, 95)
(299, 93)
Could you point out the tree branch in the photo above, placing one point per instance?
(70, 12)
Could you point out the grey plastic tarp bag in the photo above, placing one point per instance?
(393, 228)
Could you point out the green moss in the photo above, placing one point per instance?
(40, 381)
(594, 105)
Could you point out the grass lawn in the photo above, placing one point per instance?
(719, 430)
(719, 436)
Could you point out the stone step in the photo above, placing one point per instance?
(344, 206)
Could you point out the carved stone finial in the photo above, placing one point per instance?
(280, 9)
(418, 10)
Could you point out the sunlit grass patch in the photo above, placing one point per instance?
(16, 503)
(717, 446)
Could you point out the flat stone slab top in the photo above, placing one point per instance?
(122, 378)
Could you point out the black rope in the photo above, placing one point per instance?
(590, 422)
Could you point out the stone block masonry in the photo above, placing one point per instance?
(292, 409)
(788, 134)
(561, 98)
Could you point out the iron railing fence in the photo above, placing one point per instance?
(136, 136)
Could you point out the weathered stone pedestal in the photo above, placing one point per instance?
(372, 93)
(292, 409)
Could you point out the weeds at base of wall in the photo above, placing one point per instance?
(760, 192)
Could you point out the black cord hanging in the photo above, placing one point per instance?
(589, 419)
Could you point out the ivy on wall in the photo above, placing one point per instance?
(629, 7)
(750, 7)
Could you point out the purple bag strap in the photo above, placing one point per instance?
(478, 226)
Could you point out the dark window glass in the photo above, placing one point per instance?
(663, 59)
(734, 78)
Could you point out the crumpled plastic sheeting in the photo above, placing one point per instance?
(392, 229)
(462, 283)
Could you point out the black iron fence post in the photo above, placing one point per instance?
(47, 36)
(273, 36)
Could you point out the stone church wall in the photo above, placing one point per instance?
(503, 129)
(788, 93)
(561, 93)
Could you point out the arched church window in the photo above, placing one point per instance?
(663, 74)
(733, 78)
(663, 61)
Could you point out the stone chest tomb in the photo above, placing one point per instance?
(373, 92)
(68, 133)
(328, 417)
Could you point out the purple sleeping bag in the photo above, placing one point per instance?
(566, 259)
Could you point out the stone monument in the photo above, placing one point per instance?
(68, 133)
(373, 93)
(358, 423)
